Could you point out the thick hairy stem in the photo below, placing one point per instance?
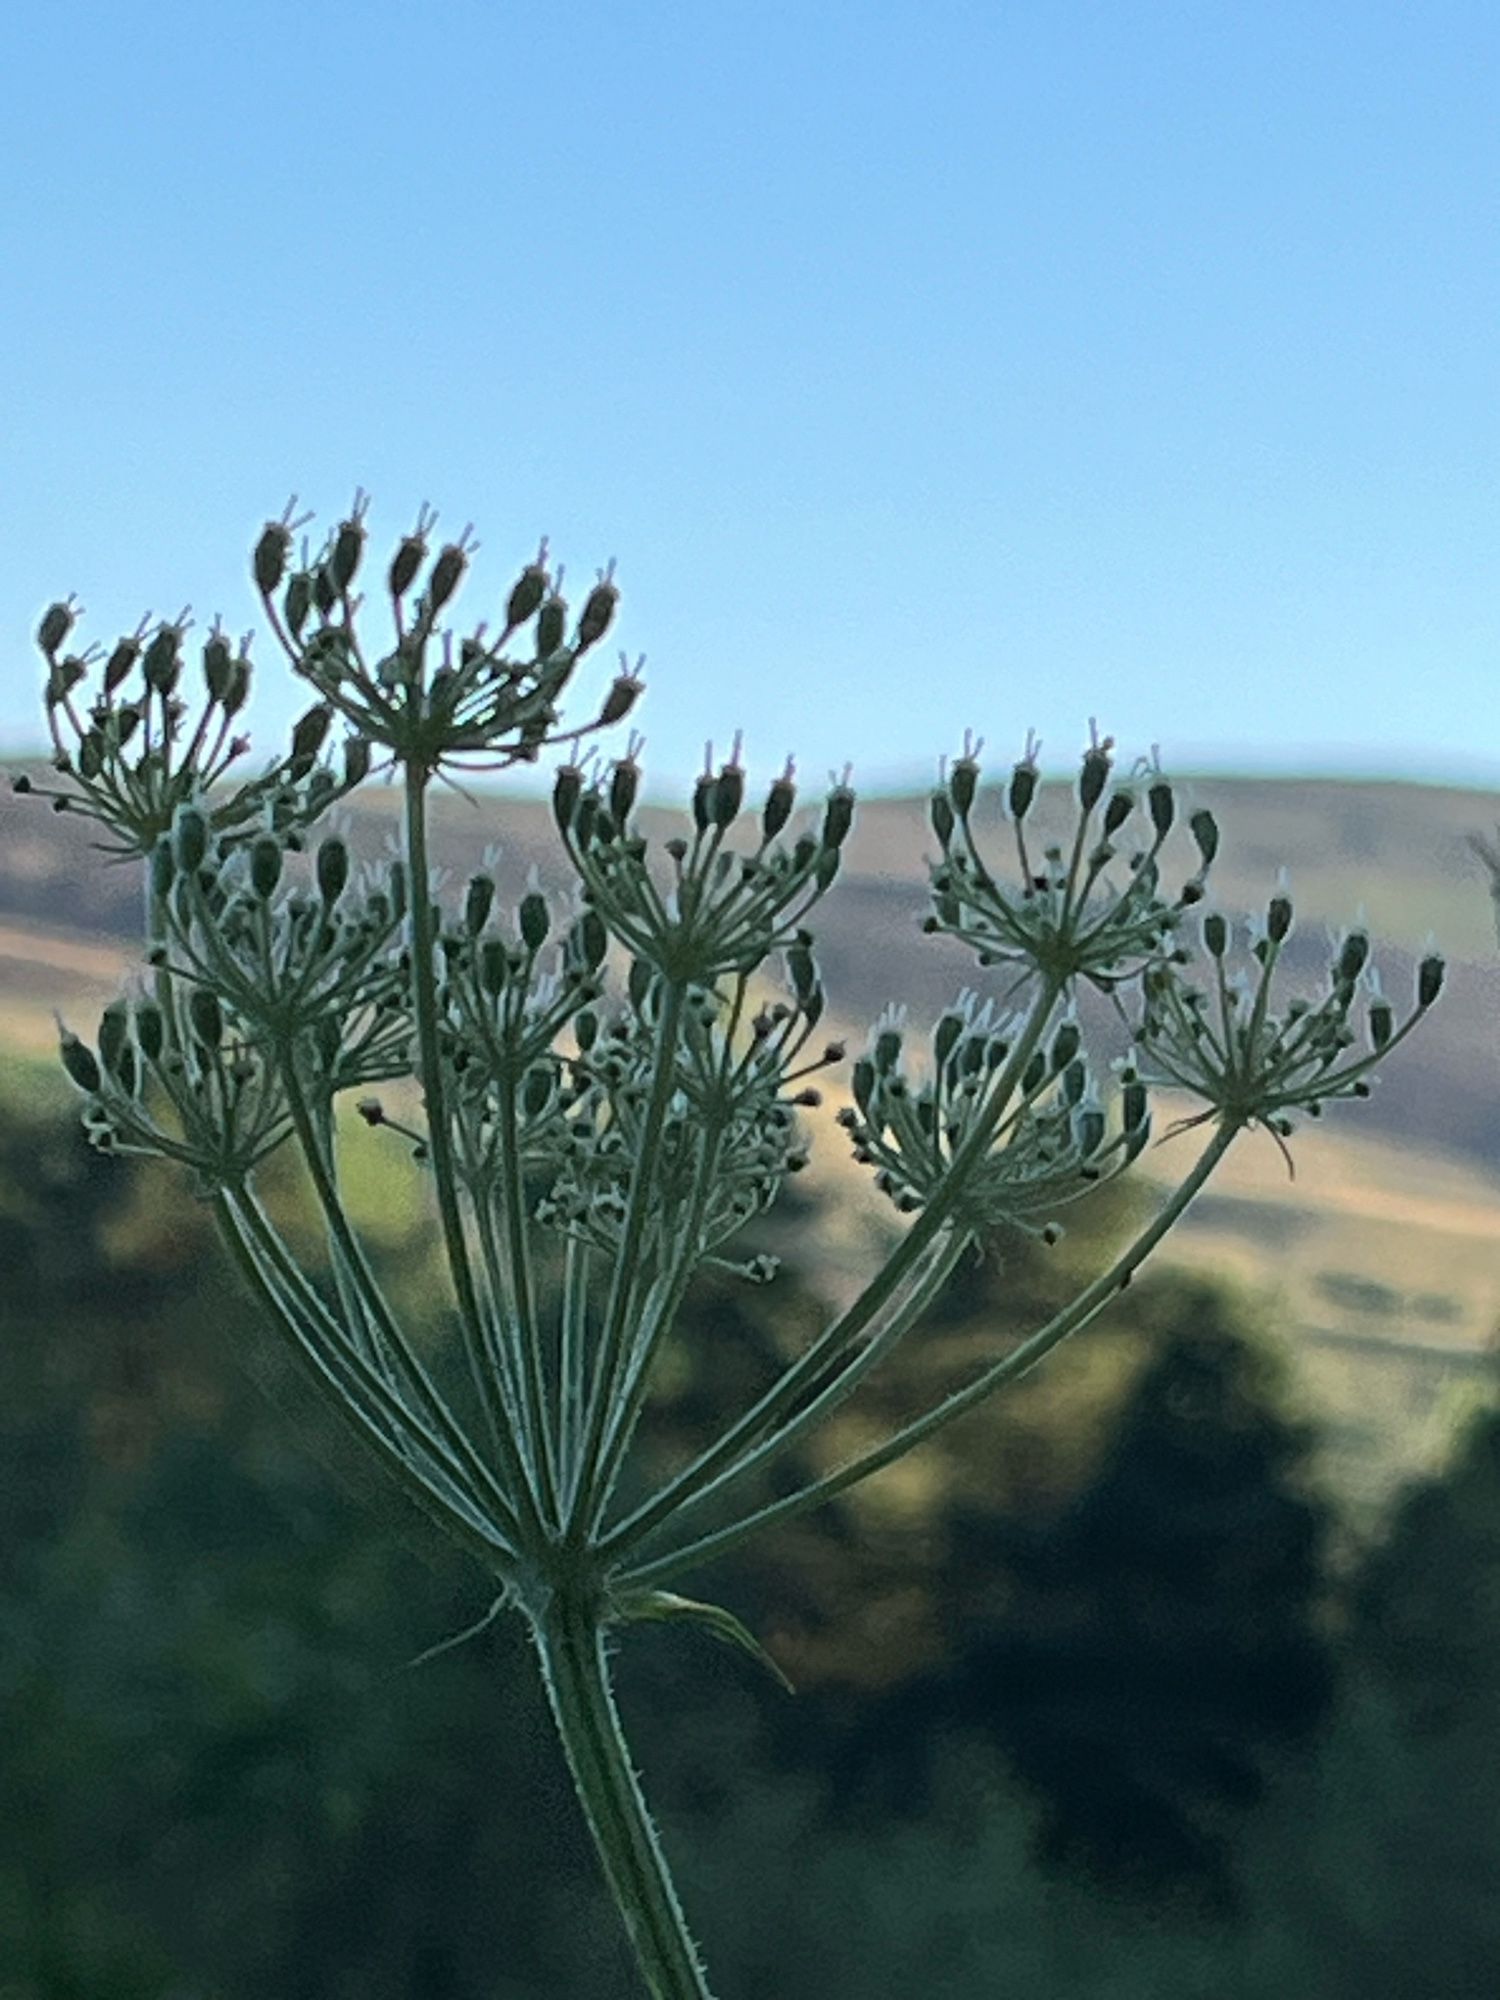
(575, 1669)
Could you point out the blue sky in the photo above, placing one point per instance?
(925, 367)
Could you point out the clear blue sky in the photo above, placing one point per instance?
(924, 366)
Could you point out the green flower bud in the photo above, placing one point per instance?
(78, 1060)
(189, 839)
(478, 901)
(332, 869)
(272, 553)
(535, 920)
(206, 1016)
(265, 866)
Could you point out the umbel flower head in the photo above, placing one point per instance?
(1063, 916)
(1252, 1064)
(135, 749)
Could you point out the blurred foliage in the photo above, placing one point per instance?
(1081, 1711)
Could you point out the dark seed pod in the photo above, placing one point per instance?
(332, 870)
(1279, 919)
(941, 814)
(163, 868)
(348, 550)
(597, 616)
(536, 1091)
(57, 623)
(566, 790)
(265, 866)
(1163, 807)
(1205, 831)
(1022, 788)
(780, 800)
(624, 692)
(945, 1036)
(272, 552)
(478, 901)
(838, 817)
(120, 662)
(963, 782)
(1121, 806)
(1133, 1104)
(624, 783)
(1093, 777)
(1065, 1045)
(592, 939)
(1382, 1024)
(113, 1034)
(163, 662)
(407, 560)
(494, 967)
(1215, 934)
(1429, 980)
(887, 1051)
(78, 1060)
(189, 839)
(529, 590)
(728, 796)
(218, 664)
(308, 737)
(150, 1029)
(1352, 958)
(447, 575)
(356, 761)
(535, 920)
(206, 1016)
(297, 602)
(551, 623)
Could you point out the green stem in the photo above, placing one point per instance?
(440, 1147)
(1087, 1306)
(575, 1670)
(737, 1450)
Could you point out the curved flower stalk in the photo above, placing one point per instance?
(619, 1086)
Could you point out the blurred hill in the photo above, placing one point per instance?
(1381, 1260)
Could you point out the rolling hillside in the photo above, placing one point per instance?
(1381, 1262)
